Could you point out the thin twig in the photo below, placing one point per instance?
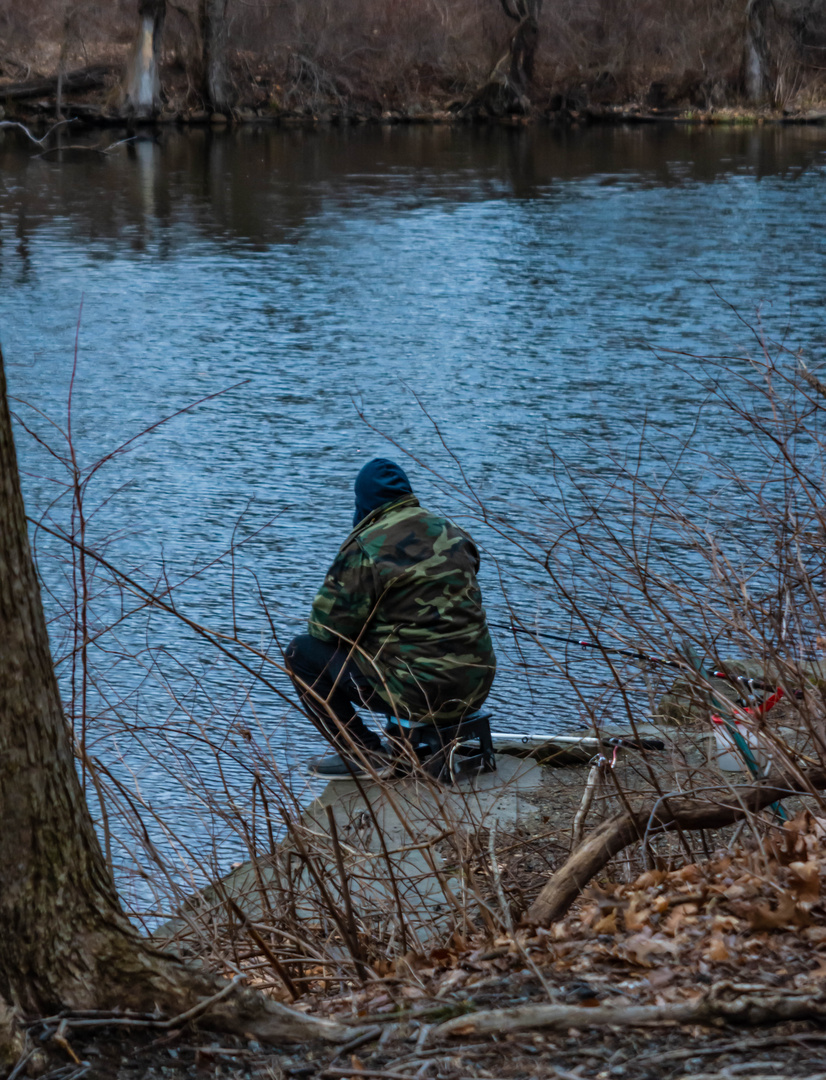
(367, 1036)
(278, 967)
(345, 889)
(373, 1074)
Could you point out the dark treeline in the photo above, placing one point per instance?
(496, 57)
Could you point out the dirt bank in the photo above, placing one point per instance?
(88, 98)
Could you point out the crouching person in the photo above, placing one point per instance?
(397, 628)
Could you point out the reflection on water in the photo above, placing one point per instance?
(518, 285)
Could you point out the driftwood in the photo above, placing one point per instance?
(88, 78)
(28, 134)
(746, 1009)
(610, 837)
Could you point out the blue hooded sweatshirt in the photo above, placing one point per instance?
(381, 481)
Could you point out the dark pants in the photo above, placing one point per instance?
(323, 666)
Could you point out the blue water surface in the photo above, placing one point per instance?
(485, 299)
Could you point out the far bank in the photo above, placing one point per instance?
(364, 61)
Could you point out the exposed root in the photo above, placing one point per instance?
(11, 1037)
(182, 993)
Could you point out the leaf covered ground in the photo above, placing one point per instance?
(748, 924)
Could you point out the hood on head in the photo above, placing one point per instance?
(380, 481)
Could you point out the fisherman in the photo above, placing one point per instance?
(397, 628)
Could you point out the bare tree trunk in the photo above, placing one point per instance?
(72, 37)
(757, 60)
(142, 82)
(508, 84)
(523, 43)
(57, 902)
(66, 941)
(217, 85)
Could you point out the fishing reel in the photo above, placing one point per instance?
(636, 744)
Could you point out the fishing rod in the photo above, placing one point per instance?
(633, 654)
(692, 664)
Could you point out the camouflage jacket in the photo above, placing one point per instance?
(402, 594)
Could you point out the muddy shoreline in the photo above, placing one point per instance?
(87, 97)
(86, 116)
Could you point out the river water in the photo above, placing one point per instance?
(485, 298)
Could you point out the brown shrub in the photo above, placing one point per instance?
(392, 53)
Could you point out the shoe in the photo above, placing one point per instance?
(345, 767)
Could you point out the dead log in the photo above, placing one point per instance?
(748, 1010)
(88, 78)
(615, 834)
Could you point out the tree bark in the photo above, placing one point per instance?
(508, 84)
(217, 85)
(67, 943)
(523, 44)
(89, 78)
(142, 82)
(610, 837)
(757, 58)
(56, 898)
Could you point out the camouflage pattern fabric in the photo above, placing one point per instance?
(402, 594)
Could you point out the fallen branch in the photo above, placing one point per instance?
(773, 1075)
(666, 814)
(741, 1046)
(748, 1011)
(88, 78)
(98, 149)
(373, 1074)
